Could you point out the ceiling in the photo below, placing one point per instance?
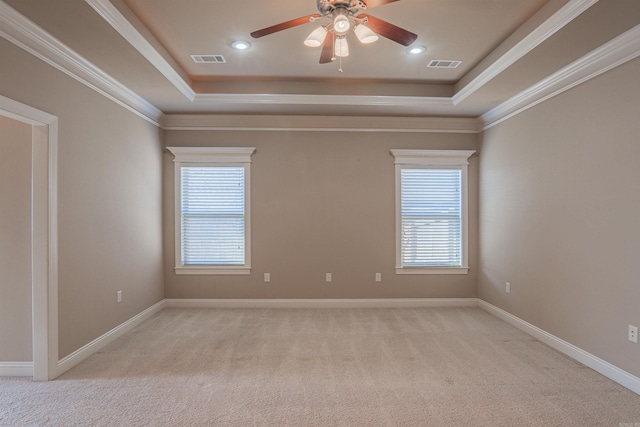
(505, 47)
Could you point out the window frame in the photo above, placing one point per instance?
(203, 157)
(433, 159)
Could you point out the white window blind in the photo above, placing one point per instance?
(213, 215)
(431, 223)
(212, 209)
(432, 211)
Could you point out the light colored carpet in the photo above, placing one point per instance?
(322, 367)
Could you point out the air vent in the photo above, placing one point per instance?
(443, 63)
(208, 59)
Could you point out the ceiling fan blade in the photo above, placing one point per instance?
(390, 31)
(375, 3)
(284, 25)
(327, 49)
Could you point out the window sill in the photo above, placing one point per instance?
(207, 270)
(432, 270)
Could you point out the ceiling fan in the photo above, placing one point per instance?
(345, 16)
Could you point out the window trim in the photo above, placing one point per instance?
(435, 159)
(211, 156)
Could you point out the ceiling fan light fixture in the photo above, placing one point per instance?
(341, 23)
(316, 38)
(240, 45)
(342, 47)
(365, 35)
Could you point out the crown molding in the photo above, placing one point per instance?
(616, 52)
(25, 34)
(320, 123)
(308, 99)
(153, 54)
(541, 33)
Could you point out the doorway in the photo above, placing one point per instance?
(42, 234)
(16, 349)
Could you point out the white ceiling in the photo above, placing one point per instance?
(506, 47)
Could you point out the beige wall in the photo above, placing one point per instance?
(15, 241)
(321, 202)
(560, 216)
(109, 198)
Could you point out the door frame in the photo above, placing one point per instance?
(44, 234)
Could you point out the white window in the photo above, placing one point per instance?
(212, 224)
(431, 211)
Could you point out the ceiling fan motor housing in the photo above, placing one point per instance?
(327, 7)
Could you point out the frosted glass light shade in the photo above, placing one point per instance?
(365, 35)
(341, 24)
(316, 38)
(342, 47)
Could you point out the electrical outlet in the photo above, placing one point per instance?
(119, 296)
(378, 277)
(267, 277)
(328, 277)
(633, 334)
(507, 287)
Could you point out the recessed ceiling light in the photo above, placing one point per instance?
(416, 50)
(240, 45)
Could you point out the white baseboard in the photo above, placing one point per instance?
(16, 369)
(82, 353)
(610, 371)
(322, 303)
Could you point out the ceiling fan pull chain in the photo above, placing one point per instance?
(333, 55)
